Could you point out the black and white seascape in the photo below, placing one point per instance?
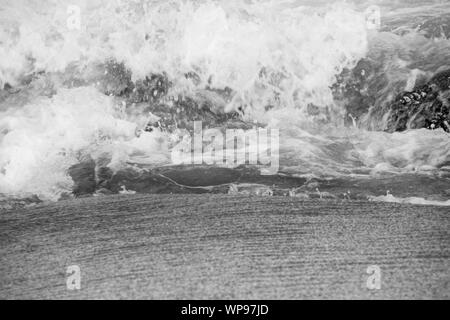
(216, 149)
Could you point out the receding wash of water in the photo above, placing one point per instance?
(353, 98)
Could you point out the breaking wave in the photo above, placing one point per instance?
(311, 69)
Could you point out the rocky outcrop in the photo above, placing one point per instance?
(169, 112)
(365, 92)
(427, 106)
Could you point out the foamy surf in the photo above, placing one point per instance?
(85, 96)
(413, 200)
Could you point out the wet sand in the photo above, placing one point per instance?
(219, 246)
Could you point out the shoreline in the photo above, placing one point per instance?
(224, 247)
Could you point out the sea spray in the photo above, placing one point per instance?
(272, 62)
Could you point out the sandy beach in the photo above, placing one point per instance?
(221, 247)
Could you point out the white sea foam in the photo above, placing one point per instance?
(40, 141)
(411, 200)
(284, 54)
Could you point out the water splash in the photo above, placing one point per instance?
(277, 62)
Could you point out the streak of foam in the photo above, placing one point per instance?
(411, 200)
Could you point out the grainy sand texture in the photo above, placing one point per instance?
(219, 246)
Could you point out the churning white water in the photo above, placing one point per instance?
(282, 54)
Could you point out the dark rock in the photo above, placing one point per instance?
(151, 95)
(364, 91)
(83, 175)
(356, 89)
(151, 89)
(427, 106)
(183, 113)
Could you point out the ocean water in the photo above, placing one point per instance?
(81, 81)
